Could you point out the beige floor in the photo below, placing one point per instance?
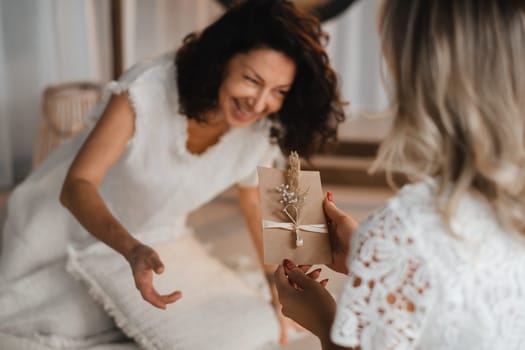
(220, 226)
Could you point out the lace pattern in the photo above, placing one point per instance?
(384, 301)
(413, 284)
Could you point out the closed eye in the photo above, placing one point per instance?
(251, 80)
(280, 93)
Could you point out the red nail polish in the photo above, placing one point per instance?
(289, 265)
(329, 197)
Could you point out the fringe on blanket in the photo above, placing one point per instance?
(98, 294)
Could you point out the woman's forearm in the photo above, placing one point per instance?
(83, 200)
(249, 204)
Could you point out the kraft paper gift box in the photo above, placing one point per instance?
(281, 243)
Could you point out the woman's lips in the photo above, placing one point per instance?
(241, 114)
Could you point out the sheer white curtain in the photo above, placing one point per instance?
(155, 26)
(6, 171)
(355, 54)
(44, 42)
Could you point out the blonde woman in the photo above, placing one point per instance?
(442, 264)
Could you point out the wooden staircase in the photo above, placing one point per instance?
(347, 163)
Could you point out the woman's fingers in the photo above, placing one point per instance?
(151, 296)
(296, 275)
(281, 281)
(305, 268)
(288, 266)
(172, 297)
(315, 274)
(144, 283)
(333, 213)
(155, 263)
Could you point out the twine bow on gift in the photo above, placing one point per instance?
(295, 227)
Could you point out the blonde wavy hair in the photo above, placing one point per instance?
(457, 70)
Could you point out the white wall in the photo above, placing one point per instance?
(156, 26)
(355, 54)
(6, 169)
(45, 42)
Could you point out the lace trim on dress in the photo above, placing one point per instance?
(384, 303)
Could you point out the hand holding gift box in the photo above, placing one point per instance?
(294, 224)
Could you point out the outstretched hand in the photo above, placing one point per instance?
(305, 300)
(341, 227)
(144, 261)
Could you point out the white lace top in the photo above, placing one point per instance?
(414, 285)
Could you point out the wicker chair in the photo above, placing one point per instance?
(64, 109)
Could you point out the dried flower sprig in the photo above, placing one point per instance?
(290, 192)
(292, 197)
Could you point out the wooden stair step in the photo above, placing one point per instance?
(348, 170)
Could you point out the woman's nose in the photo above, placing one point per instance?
(259, 102)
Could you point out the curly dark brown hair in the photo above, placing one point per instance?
(312, 108)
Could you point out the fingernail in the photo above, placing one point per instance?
(317, 270)
(329, 196)
(288, 264)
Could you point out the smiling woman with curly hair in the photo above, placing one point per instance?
(311, 111)
(168, 137)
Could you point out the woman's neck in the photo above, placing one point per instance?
(202, 135)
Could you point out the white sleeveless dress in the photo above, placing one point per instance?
(150, 189)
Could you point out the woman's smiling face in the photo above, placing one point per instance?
(255, 86)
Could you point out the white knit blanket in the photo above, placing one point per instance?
(217, 311)
(12, 342)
